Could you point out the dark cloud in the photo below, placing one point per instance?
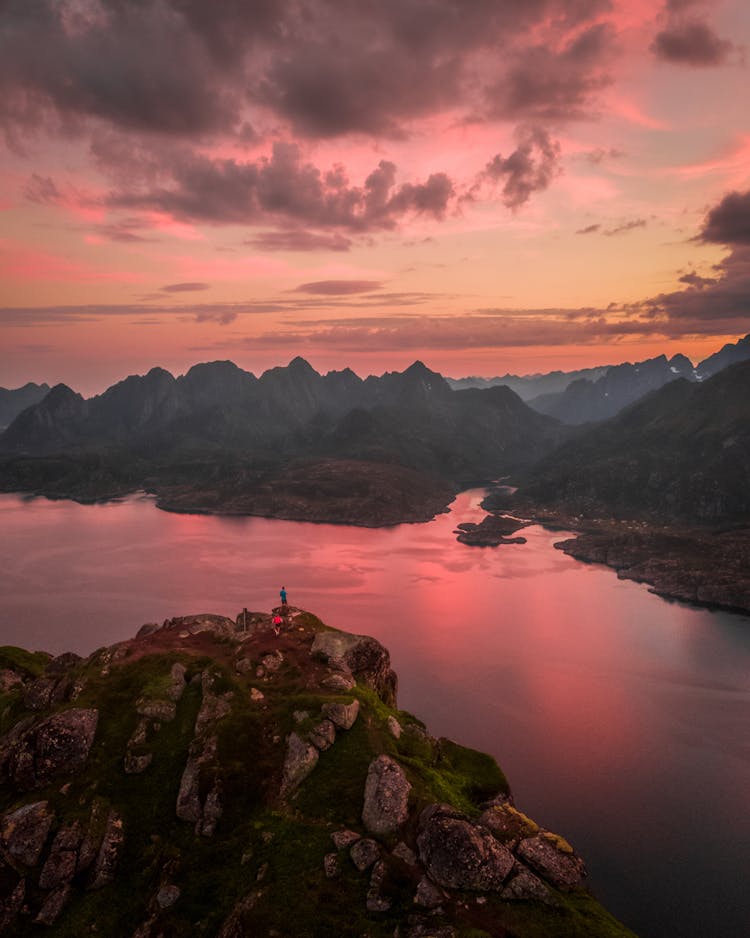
(282, 188)
(695, 280)
(298, 240)
(547, 85)
(339, 287)
(625, 227)
(188, 287)
(729, 221)
(724, 298)
(622, 228)
(691, 43)
(186, 68)
(531, 167)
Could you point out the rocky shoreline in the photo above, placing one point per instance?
(700, 565)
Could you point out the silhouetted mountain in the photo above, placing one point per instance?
(585, 400)
(730, 354)
(530, 386)
(53, 424)
(13, 401)
(681, 453)
(227, 432)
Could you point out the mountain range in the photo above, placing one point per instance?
(297, 444)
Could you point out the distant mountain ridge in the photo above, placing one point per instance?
(682, 453)
(219, 431)
(594, 394)
(13, 401)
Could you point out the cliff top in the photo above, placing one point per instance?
(212, 777)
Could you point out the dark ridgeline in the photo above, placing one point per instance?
(297, 444)
(682, 453)
(12, 402)
(593, 394)
(219, 431)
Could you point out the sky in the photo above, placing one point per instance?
(489, 186)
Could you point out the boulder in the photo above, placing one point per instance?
(523, 884)
(343, 839)
(23, 832)
(386, 797)
(9, 680)
(458, 854)
(394, 727)
(12, 904)
(301, 759)
(323, 736)
(339, 682)
(428, 896)
(162, 710)
(177, 687)
(61, 863)
(364, 853)
(109, 852)
(53, 905)
(376, 901)
(365, 657)
(167, 896)
(331, 865)
(404, 853)
(553, 859)
(32, 756)
(38, 694)
(342, 715)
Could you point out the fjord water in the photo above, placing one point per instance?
(622, 720)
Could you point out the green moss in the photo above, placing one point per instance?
(28, 663)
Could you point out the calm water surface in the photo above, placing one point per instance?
(622, 720)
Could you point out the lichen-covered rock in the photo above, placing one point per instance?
(53, 905)
(23, 832)
(343, 839)
(331, 865)
(32, 756)
(508, 824)
(177, 687)
(404, 853)
(376, 901)
(523, 884)
(167, 896)
(9, 680)
(428, 896)
(458, 854)
(323, 736)
(301, 758)
(364, 853)
(395, 727)
(205, 622)
(162, 710)
(12, 904)
(553, 859)
(342, 715)
(38, 695)
(108, 857)
(339, 682)
(61, 863)
(365, 657)
(386, 797)
(92, 839)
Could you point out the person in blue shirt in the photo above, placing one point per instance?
(283, 595)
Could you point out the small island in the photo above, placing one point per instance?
(204, 775)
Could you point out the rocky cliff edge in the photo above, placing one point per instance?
(212, 777)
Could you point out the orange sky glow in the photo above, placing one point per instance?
(491, 188)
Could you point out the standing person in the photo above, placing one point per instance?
(282, 593)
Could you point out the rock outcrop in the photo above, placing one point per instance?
(309, 783)
(31, 756)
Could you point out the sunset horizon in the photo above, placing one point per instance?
(511, 189)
